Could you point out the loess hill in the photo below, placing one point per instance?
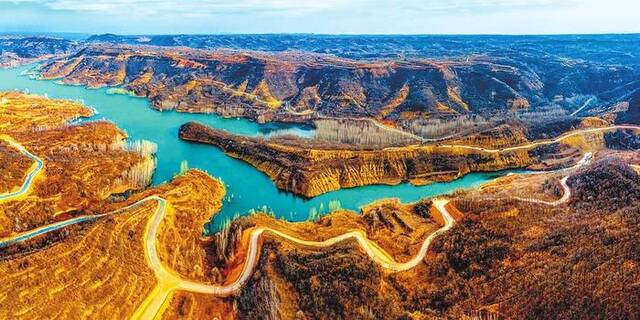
(83, 164)
(297, 85)
(516, 249)
(505, 257)
(523, 260)
(313, 167)
(97, 267)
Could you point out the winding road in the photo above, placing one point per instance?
(21, 237)
(566, 194)
(543, 142)
(31, 174)
(169, 281)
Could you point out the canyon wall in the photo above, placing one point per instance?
(309, 168)
(299, 86)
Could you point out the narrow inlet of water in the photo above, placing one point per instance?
(247, 188)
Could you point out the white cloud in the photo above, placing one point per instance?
(323, 16)
(189, 6)
(461, 6)
(200, 7)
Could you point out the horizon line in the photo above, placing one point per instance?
(630, 33)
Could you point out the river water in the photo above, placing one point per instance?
(247, 188)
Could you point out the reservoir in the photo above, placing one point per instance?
(247, 188)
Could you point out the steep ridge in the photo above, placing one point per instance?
(310, 167)
(295, 86)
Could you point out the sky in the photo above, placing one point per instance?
(321, 16)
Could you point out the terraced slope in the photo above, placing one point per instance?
(83, 164)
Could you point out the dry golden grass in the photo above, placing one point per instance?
(100, 273)
(393, 226)
(83, 164)
(188, 305)
(23, 112)
(543, 186)
(293, 281)
(100, 270)
(13, 167)
(94, 270)
(194, 198)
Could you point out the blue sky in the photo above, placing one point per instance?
(322, 16)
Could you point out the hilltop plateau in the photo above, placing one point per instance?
(82, 164)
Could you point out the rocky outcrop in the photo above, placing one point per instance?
(309, 168)
(266, 86)
(391, 78)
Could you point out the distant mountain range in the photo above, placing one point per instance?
(603, 48)
(284, 76)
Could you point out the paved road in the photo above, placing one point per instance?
(59, 225)
(566, 194)
(168, 281)
(543, 142)
(566, 190)
(31, 174)
(4, 242)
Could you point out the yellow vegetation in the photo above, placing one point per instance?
(96, 269)
(82, 163)
(262, 91)
(100, 269)
(454, 95)
(395, 102)
(143, 78)
(21, 112)
(97, 274)
(519, 103)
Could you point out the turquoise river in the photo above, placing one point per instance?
(247, 188)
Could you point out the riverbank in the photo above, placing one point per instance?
(312, 167)
(141, 122)
(73, 166)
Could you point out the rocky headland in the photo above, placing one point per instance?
(312, 167)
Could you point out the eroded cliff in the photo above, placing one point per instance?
(296, 86)
(311, 167)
